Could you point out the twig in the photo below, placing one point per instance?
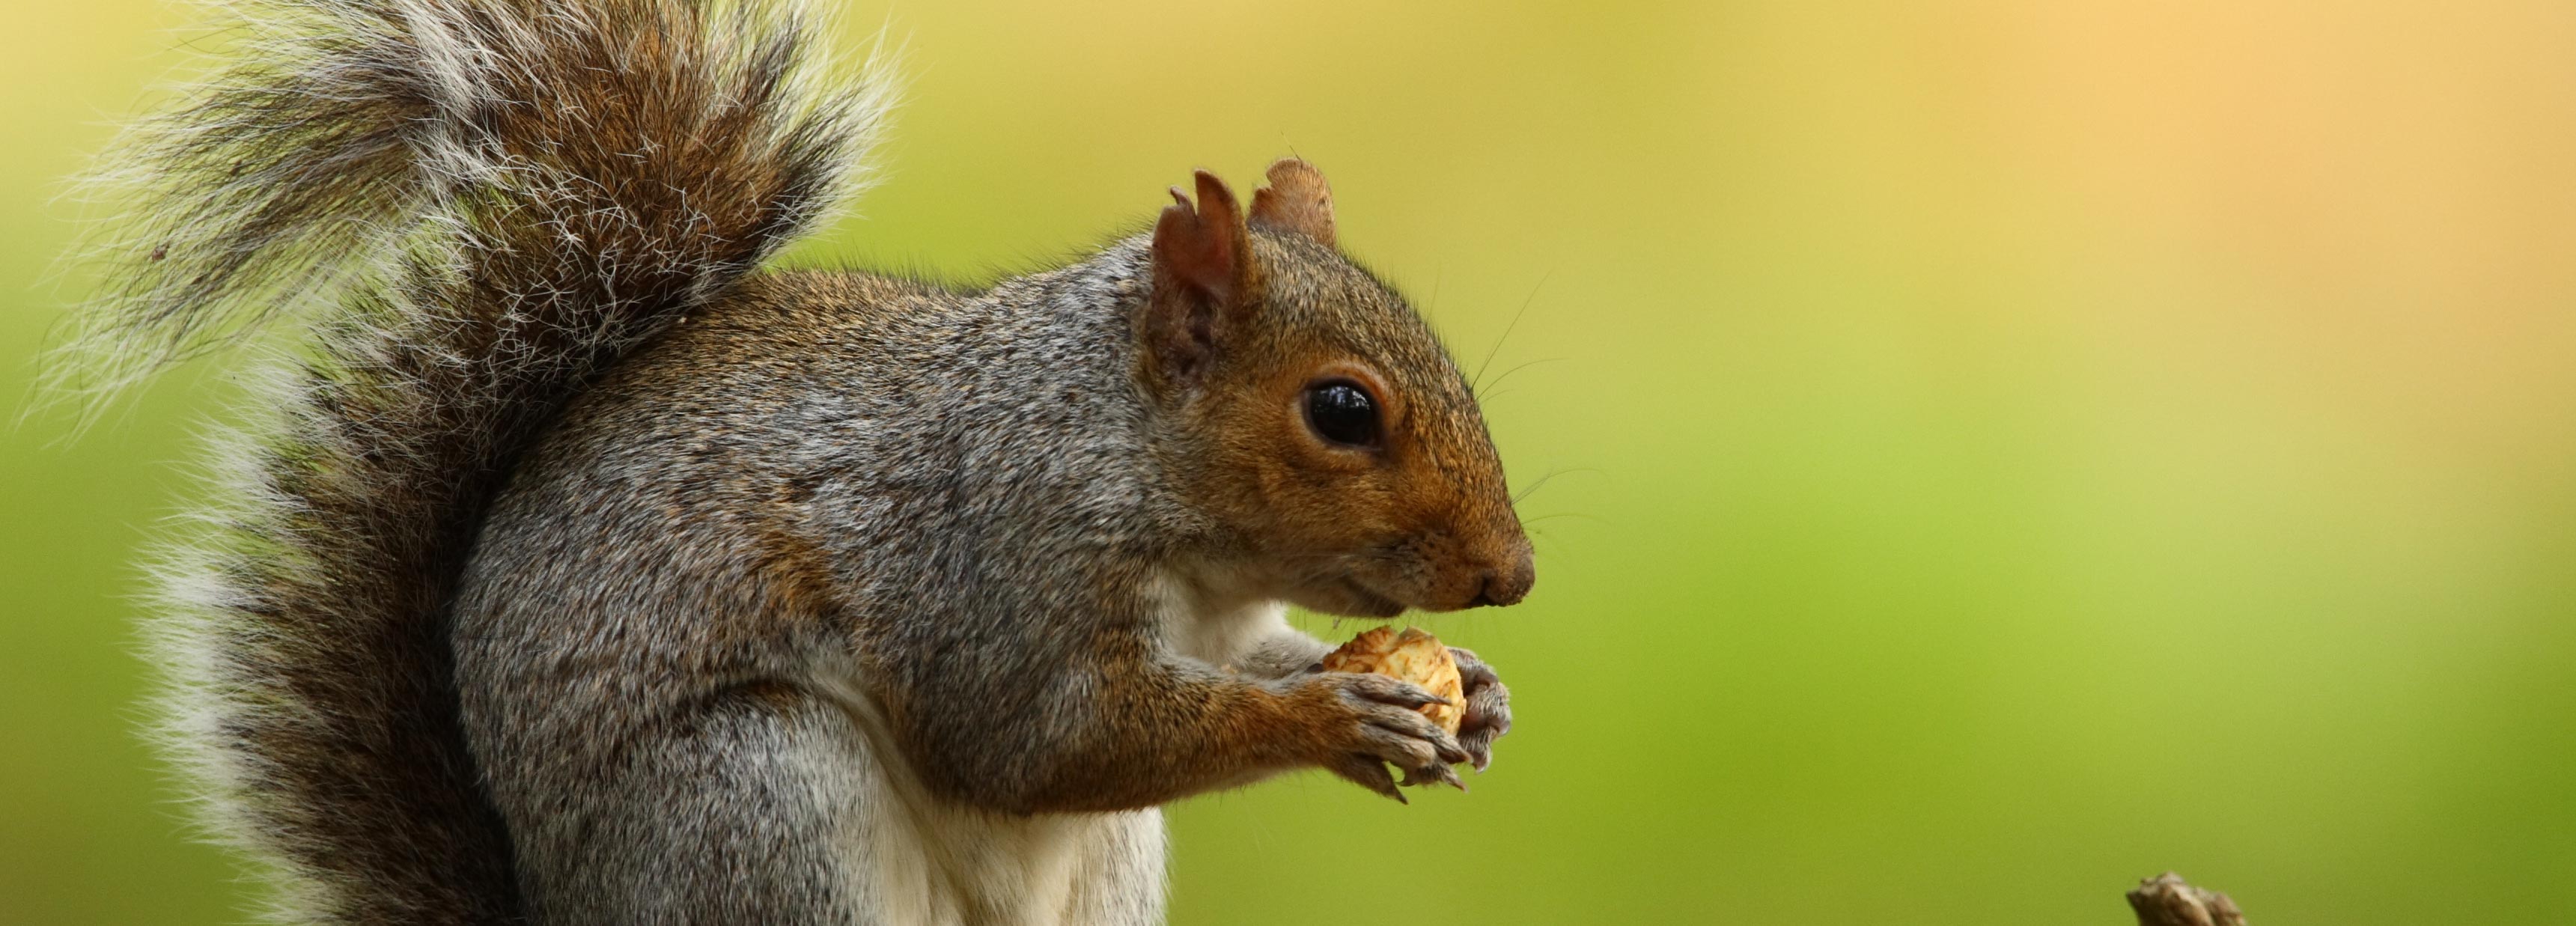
(2165, 900)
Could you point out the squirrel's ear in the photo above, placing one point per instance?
(1296, 200)
(1202, 271)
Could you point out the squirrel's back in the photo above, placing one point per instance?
(477, 207)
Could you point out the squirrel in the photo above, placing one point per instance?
(581, 568)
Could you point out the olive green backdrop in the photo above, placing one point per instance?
(1999, 450)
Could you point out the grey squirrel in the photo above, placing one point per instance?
(584, 571)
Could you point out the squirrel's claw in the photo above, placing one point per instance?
(1451, 751)
(1369, 772)
(1437, 774)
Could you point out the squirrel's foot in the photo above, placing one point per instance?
(1372, 721)
(1489, 708)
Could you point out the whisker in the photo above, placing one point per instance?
(1526, 522)
(1507, 332)
(1507, 374)
(1543, 480)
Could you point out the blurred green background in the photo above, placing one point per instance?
(1999, 450)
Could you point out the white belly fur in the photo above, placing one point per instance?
(933, 862)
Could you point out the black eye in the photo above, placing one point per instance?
(1342, 412)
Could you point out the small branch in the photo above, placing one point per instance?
(2165, 900)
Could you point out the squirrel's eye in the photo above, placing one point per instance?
(1341, 412)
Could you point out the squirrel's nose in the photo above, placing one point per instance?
(1508, 584)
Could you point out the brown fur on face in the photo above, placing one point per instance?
(1240, 326)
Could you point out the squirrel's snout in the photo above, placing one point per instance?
(1508, 583)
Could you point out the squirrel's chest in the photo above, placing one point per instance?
(1209, 629)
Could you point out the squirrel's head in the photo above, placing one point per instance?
(1319, 424)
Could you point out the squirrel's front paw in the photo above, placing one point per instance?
(1489, 707)
(1368, 722)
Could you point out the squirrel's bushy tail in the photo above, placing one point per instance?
(474, 206)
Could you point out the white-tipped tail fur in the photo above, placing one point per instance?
(471, 208)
